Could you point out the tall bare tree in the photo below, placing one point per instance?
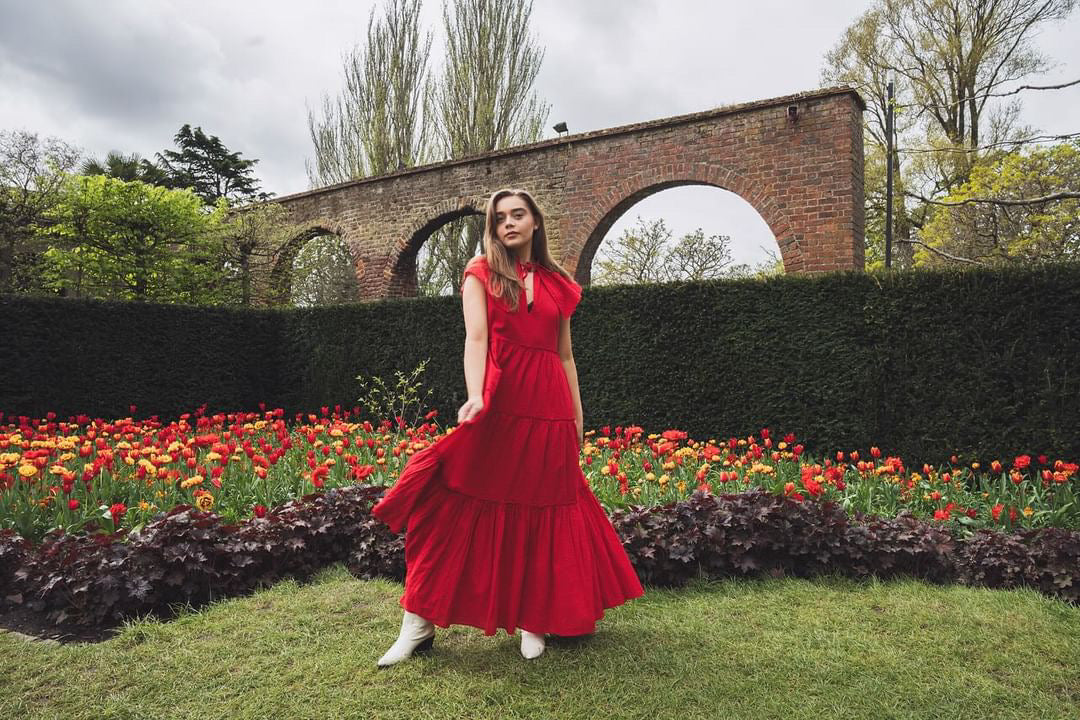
(32, 177)
(958, 55)
(374, 125)
(950, 60)
(485, 99)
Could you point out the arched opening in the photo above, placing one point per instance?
(680, 230)
(435, 251)
(316, 268)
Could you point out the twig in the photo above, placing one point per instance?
(1002, 143)
(942, 253)
(1015, 91)
(1066, 195)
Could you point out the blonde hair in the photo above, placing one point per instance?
(503, 279)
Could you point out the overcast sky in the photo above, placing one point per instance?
(126, 74)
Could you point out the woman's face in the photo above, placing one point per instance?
(514, 223)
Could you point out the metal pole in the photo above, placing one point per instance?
(889, 179)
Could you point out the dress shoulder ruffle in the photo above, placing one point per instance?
(566, 291)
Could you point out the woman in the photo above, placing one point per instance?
(502, 529)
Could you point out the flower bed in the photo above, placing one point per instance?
(88, 475)
(104, 521)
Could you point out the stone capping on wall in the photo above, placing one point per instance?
(594, 135)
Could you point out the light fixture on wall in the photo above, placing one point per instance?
(560, 128)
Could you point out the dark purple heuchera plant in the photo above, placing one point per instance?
(190, 557)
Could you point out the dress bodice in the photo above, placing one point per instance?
(538, 326)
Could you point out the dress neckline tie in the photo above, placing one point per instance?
(524, 268)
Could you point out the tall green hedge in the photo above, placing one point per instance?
(983, 363)
(99, 358)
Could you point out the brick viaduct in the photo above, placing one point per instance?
(798, 160)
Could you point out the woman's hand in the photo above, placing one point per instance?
(470, 409)
(579, 424)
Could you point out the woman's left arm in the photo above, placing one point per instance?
(566, 355)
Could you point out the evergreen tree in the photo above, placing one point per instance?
(205, 165)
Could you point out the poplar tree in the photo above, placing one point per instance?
(374, 125)
(484, 100)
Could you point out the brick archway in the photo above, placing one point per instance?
(650, 181)
(399, 271)
(798, 160)
(280, 275)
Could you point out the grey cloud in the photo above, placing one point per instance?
(137, 62)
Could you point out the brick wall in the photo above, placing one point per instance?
(805, 178)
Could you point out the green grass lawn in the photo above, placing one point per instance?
(831, 648)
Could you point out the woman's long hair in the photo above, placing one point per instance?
(502, 268)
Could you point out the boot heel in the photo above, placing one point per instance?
(426, 645)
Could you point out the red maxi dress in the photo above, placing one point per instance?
(501, 527)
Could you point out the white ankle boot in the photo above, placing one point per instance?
(532, 645)
(417, 635)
